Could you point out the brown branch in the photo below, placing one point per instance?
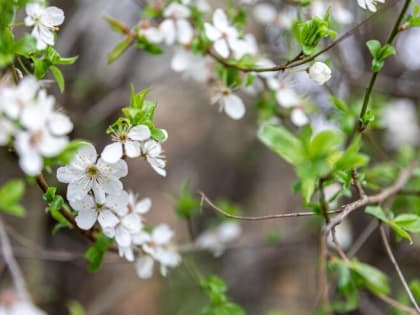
(259, 218)
(357, 184)
(396, 304)
(398, 269)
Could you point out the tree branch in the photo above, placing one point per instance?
(15, 272)
(398, 269)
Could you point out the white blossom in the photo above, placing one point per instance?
(45, 22)
(130, 224)
(369, 4)
(299, 117)
(21, 308)
(343, 235)
(107, 213)
(126, 141)
(157, 248)
(222, 34)
(266, 13)
(244, 46)
(401, 123)
(191, 65)
(86, 172)
(7, 130)
(152, 151)
(14, 99)
(176, 27)
(216, 239)
(319, 72)
(230, 103)
(151, 33)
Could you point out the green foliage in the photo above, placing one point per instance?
(379, 53)
(75, 308)
(95, 253)
(55, 204)
(401, 224)
(11, 193)
(313, 157)
(119, 49)
(413, 20)
(219, 304)
(140, 112)
(309, 33)
(187, 205)
(353, 275)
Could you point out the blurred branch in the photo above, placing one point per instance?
(15, 272)
(259, 218)
(398, 269)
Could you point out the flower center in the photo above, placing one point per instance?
(92, 171)
(35, 139)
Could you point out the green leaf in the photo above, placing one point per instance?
(324, 142)
(119, 49)
(75, 308)
(409, 222)
(339, 104)
(187, 205)
(281, 141)
(95, 253)
(377, 212)
(374, 47)
(58, 75)
(375, 280)
(116, 25)
(11, 192)
(307, 188)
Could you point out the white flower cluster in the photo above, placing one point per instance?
(96, 193)
(45, 22)
(369, 4)
(20, 308)
(134, 142)
(216, 239)
(28, 116)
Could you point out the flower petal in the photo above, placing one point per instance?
(86, 219)
(234, 107)
(139, 133)
(112, 152)
(144, 267)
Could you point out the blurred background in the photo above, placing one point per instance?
(272, 265)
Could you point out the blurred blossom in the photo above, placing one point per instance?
(11, 305)
(176, 27)
(319, 72)
(369, 4)
(230, 103)
(216, 239)
(267, 14)
(400, 121)
(409, 48)
(192, 66)
(338, 11)
(343, 235)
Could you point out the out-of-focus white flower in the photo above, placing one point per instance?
(230, 103)
(14, 99)
(409, 48)
(299, 117)
(127, 141)
(106, 213)
(266, 13)
(176, 26)
(338, 11)
(400, 120)
(152, 151)
(369, 4)
(319, 72)
(287, 97)
(151, 33)
(223, 35)
(202, 5)
(216, 239)
(7, 129)
(343, 235)
(21, 308)
(85, 173)
(45, 22)
(244, 46)
(191, 65)
(157, 247)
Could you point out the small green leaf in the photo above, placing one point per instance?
(375, 280)
(377, 212)
(11, 192)
(95, 253)
(75, 308)
(58, 75)
(281, 141)
(374, 47)
(119, 49)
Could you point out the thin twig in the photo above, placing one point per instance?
(15, 272)
(398, 269)
(363, 237)
(357, 184)
(259, 218)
